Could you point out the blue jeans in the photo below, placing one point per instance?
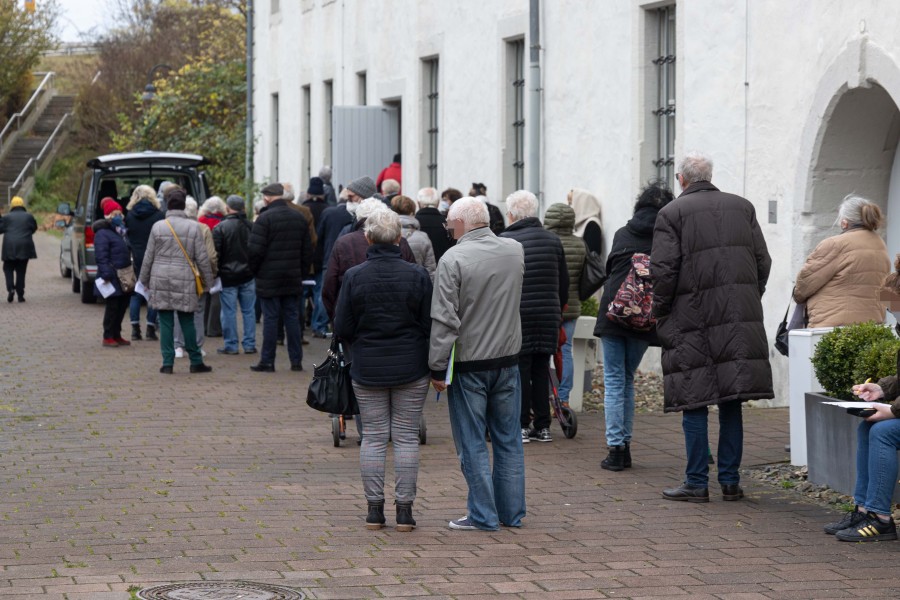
(288, 309)
(245, 294)
(731, 444)
(489, 401)
(135, 311)
(568, 375)
(876, 464)
(319, 320)
(621, 357)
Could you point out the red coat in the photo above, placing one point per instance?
(392, 171)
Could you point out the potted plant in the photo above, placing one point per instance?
(843, 357)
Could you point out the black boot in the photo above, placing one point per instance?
(616, 459)
(151, 333)
(627, 463)
(136, 332)
(375, 518)
(405, 521)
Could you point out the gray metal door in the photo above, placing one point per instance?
(365, 139)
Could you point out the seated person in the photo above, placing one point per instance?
(876, 467)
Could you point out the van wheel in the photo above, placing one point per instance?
(63, 270)
(87, 293)
(76, 284)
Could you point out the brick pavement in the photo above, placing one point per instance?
(116, 476)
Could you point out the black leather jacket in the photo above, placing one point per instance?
(231, 238)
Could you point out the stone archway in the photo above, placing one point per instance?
(850, 146)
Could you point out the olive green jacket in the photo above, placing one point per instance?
(560, 219)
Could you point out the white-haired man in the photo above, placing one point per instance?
(389, 189)
(475, 319)
(545, 290)
(432, 222)
(710, 265)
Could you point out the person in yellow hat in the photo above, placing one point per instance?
(18, 228)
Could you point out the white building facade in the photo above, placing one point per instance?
(796, 102)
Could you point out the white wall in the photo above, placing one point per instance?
(754, 80)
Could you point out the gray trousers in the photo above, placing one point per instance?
(391, 412)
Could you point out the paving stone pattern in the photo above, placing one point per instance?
(116, 477)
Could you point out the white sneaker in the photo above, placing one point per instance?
(179, 352)
(525, 438)
(202, 352)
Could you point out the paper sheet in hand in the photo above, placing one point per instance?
(106, 288)
(449, 378)
(856, 404)
(140, 289)
(216, 286)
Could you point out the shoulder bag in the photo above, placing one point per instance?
(127, 279)
(799, 320)
(198, 281)
(632, 305)
(330, 390)
(593, 274)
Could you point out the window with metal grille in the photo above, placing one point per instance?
(329, 107)
(307, 131)
(664, 112)
(361, 98)
(517, 113)
(276, 6)
(430, 125)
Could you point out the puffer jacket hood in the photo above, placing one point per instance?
(408, 225)
(560, 218)
(143, 209)
(641, 224)
(101, 224)
(587, 209)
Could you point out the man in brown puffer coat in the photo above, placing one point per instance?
(710, 265)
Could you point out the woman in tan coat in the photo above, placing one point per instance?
(841, 279)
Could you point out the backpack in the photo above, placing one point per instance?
(631, 307)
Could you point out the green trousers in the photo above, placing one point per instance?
(167, 336)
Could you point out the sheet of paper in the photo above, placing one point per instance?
(449, 378)
(856, 404)
(106, 288)
(140, 289)
(216, 286)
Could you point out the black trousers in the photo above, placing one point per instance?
(534, 375)
(116, 307)
(15, 275)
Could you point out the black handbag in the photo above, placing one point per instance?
(798, 320)
(330, 390)
(593, 274)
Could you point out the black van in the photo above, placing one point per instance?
(116, 176)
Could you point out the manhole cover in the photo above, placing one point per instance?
(220, 590)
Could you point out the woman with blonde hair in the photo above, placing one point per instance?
(143, 212)
(842, 277)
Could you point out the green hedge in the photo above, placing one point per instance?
(852, 354)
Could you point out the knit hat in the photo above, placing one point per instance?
(109, 206)
(235, 203)
(316, 187)
(363, 187)
(273, 190)
(17, 202)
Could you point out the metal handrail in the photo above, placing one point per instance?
(34, 162)
(18, 117)
(96, 77)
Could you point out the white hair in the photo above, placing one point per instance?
(470, 211)
(259, 205)
(695, 166)
(382, 226)
(368, 206)
(521, 204)
(428, 197)
(190, 208)
(325, 173)
(390, 186)
(212, 205)
(288, 195)
(859, 211)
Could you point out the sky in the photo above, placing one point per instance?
(79, 16)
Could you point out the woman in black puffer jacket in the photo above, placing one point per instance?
(384, 311)
(624, 348)
(112, 253)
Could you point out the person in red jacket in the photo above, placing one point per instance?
(392, 171)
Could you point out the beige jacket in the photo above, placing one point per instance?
(841, 279)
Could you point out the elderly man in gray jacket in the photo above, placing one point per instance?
(476, 333)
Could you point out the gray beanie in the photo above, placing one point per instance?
(363, 187)
(236, 203)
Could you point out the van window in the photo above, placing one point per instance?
(121, 185)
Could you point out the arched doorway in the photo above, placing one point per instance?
(856, 153)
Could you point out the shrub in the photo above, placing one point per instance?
(877, 361)
(836, 356)
(590, 307)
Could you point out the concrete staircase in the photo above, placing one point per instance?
(29, 145)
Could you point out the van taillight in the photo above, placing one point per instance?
(88, 236)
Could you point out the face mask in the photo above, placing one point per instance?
(117, 221)
(444, 206)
